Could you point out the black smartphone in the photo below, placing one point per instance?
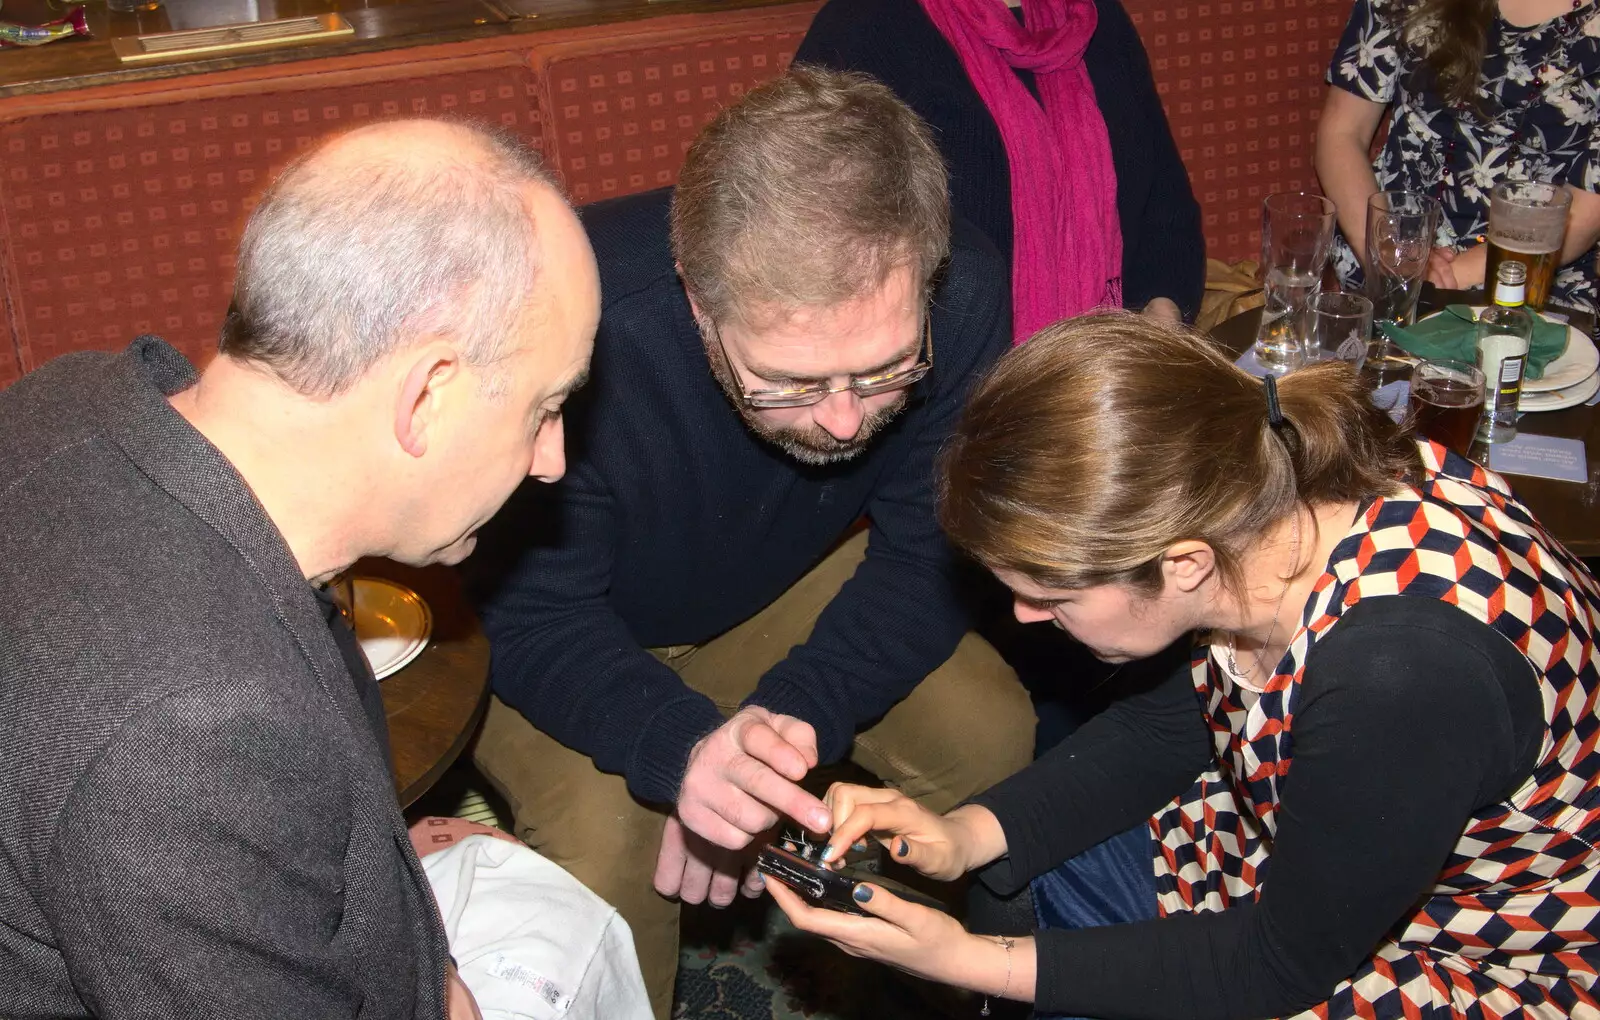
(821, 886)
(824, 887)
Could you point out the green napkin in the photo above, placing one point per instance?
(1453, 335)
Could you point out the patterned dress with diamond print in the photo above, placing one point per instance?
(1511, 926)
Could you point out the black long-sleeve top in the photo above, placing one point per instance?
(1411, 716)
(1163, 246)
(675, 523)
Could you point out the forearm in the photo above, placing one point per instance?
(1112, 773)
(581, 678)
(1348, 180)
(1583, 225)
(981, 833)
(1001, 967)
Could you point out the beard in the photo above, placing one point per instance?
(809, 444)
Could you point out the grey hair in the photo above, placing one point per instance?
(807, 192)
(349, 255)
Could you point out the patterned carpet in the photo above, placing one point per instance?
(749, 963)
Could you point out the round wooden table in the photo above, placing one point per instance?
(437, 700)
(1571, 511)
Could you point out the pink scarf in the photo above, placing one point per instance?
(1067, 247)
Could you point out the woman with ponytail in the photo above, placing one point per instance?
(1371, 790)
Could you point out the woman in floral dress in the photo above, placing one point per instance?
(1478, 93)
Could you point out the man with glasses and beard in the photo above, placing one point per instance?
(742, 577)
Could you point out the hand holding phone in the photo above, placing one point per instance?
(792, 862)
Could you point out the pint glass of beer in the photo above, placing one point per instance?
(1447, 402)
(1527, 223)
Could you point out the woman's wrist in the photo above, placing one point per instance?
(998, 967)
(977, 834)
(1163, 308)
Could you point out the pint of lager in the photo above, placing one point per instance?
(1527, 223)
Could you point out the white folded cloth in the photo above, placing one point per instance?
(530, 941)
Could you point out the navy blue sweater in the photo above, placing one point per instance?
(675, 523)
(1163, 248)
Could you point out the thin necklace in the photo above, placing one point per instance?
(1233, 639)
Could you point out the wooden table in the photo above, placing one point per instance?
(1569, 509)
(436, 701)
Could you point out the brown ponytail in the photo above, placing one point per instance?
(1089, 450)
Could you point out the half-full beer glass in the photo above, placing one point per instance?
(1527, 224)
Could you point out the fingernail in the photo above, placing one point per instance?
(759, 882)
(860, 846)
(863, 893)
(903, 849)
(827, 852)
(821, 822)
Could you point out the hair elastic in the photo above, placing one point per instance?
(1274, 409)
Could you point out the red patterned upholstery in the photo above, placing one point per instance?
(10, 370)
(120, 208)
(620, 119)
(124, 221)
(1242, 84)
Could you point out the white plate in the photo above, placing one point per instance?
(1555, 400)
(1576, 364)
(392, 623)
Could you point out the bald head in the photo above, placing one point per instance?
(383, 235)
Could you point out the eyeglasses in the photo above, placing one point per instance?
(861, 386)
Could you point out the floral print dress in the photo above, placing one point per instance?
(1538, 98)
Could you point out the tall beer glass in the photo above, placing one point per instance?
(1401, 229)
(1296, 237)
(1527, 223)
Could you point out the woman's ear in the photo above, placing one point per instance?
(1186, 565)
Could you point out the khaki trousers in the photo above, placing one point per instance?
(967, 726)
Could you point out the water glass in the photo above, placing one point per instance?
(1402, 227)
(1341, 328)
(1296, 236)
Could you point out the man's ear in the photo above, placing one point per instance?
(694, 306)
(421, 397)
(1188, 564)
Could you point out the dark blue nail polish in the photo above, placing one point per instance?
(863, 893)
(903, 849)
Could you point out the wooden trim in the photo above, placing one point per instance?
(534, 52)
(301, 76)
(90, 64)
(670, 30)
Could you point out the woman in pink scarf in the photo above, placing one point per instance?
(1057, 143)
